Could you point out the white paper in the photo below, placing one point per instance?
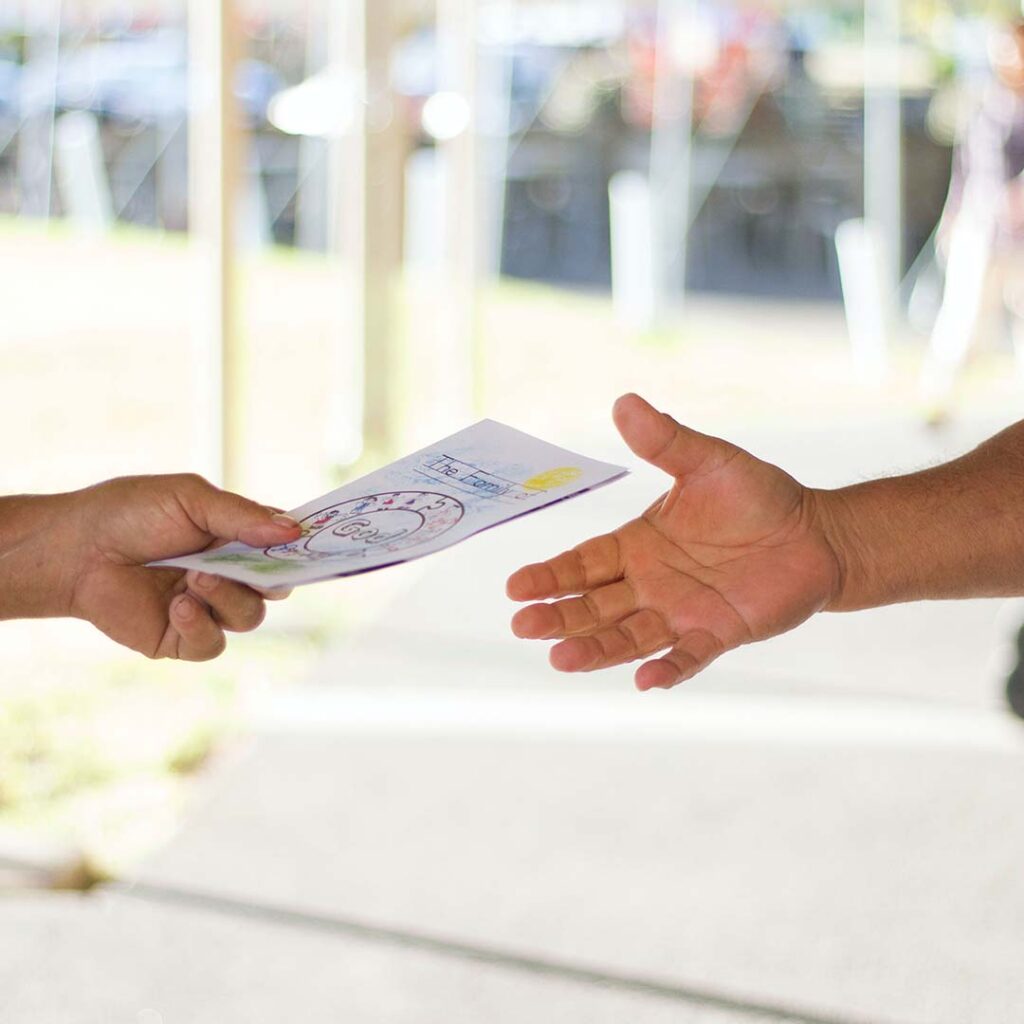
(475, 479)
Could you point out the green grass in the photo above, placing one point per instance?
(100, 753)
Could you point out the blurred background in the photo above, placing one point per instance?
(281, 242)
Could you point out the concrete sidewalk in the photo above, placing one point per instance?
(437, 827)
(114, 958)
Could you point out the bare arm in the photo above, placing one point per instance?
(954, 531)
(84, 555)
(35, 584)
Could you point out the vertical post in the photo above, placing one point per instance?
(214, 144)
(36, 137)
(883, 139)
(494, 69)
(460, 160)
(311, 206)
(635, 293)
(672, 151)
(366, 185)
(81, 173)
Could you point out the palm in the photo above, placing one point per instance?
(730, 554)
(132, 605)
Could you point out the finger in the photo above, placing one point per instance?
(591, 564)
(693, 652)
(234, 606)
(637, 636)
(271, 593)
(231, 517)
(658, 439)
(601, 607)
(199, 637)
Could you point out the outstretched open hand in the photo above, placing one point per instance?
(121, 525)
(735, 552)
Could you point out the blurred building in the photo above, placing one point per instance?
(777, 159)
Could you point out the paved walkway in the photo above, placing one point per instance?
(436, 827)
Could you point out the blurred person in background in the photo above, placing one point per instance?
(981, 233)
(84, 555)
(738, 551)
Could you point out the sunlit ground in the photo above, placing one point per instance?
(99, 379)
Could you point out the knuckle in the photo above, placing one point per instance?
(589, 650)
(643, 634)
(579, 566)
(239, 612)
(704, 645)
(200, 582)
(253, 618)
(214, 650)
(628, 634)
(191, 482)
(611, 642)
(591, 612)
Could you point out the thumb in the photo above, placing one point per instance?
(228, 516)
(658, 439)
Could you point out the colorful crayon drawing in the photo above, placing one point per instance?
(254, 562)
(371, 525)
(552, 478)
(465, 476)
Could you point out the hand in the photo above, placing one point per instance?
(115, 528)
(736, 551)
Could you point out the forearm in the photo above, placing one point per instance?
(955, 531)
(36, 557)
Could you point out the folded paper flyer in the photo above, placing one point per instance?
(480, 477)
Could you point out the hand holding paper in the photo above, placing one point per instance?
(107, 554)
(478, 478)
(84, 554)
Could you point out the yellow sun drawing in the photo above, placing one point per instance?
(552, 478)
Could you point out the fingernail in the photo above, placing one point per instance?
(204, 581)
(284, 520)
(185, 608)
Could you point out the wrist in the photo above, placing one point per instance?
(858, 525)
(38, 556)
(933, 535)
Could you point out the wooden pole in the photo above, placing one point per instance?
(214, 158)
(883, 138)
(36, 136)
(311, 205)
(671, 154)
(459, 76)
(366, 185)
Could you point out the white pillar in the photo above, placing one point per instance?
(672, 151)
(635, 295)
(311, 203)
(495, 60)
(366, 227)
(866, 297)
(81, 172)
(43, 20)
(214, 146)
(883, 137)
(464, 215)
